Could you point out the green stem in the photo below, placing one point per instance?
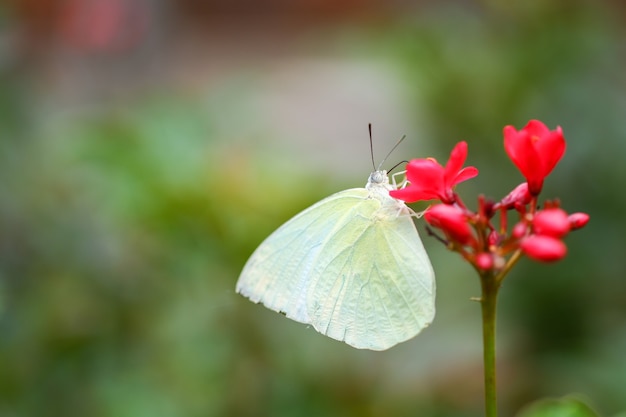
(488, 306)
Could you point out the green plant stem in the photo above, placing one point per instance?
(488, 305)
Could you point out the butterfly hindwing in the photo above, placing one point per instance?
(379, 276)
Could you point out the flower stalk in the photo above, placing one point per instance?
(488, 302)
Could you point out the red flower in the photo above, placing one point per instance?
(429, 180)
(535, 150)
(452, 220)
(543, 248)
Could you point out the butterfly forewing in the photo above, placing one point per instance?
(279, 272)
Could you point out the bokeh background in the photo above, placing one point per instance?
(148, 146)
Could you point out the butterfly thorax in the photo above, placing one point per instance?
(379, 187)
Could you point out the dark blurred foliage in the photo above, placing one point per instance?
(127, 208)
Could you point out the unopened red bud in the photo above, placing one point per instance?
(493, 239)
(543, 248)
(518, 197)
(452, 220)
(519, 230)
(551, 222)
(484, 261)
(487, 207)
(578, 220)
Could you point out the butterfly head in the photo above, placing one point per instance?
(378, 178)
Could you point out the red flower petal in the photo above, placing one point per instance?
(412, 194)
(552, 148)
(521, 150)
(425, 181)
(455, 163)
(536, 128)
(425, 174)
(464, 175)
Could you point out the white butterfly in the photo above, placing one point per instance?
(352, 265)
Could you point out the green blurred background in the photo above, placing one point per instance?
(147, 147)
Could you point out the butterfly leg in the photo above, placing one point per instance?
(404, 182)
(408, 211)
(405, 210)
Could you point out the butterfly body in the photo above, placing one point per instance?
(351, 265)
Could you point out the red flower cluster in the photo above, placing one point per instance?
(538, 234)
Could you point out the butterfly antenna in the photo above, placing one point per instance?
(397, 165)
(369, 126)
(392, 149)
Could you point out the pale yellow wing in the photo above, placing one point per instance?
(351, 265)
(279, 272)
(375, 285)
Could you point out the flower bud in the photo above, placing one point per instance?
(578, 220)
(484, 261)
(519, 196)
(551, 222)
(543, 248)
(519, 230)
(493, 239)
(452, 220)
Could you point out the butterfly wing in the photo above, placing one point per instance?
(374, 285)
(349, 265)
(279, 272)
